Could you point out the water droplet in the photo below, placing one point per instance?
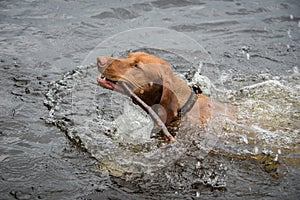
(296, 70)
(276, 158)
(291, 17)
(255, 150)
(289, 33)
(279, 151)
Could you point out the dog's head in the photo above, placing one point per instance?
(148, 76)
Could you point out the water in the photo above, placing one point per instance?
(248, 58)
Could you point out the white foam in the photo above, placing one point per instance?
(203, 82)
(273, 83)
(133, 126)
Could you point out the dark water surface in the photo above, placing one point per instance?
(255, 47)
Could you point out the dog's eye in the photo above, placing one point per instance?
(136, 66)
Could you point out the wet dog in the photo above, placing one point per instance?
(152, 80)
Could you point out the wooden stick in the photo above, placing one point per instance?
(150, 111)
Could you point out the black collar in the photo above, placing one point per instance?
(187, 106)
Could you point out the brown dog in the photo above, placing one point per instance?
(152, 79)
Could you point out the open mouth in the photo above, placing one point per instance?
(109, 84)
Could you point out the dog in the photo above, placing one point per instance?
(153, 81)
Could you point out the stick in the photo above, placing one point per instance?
(150, 111)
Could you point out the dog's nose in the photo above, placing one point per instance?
(102, 61)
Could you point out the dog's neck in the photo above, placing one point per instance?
(183, 92)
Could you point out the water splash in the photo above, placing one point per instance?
(120, 136)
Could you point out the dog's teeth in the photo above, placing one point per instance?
(151, 83)
(104, 78)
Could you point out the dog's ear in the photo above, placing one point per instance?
(169, 100)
